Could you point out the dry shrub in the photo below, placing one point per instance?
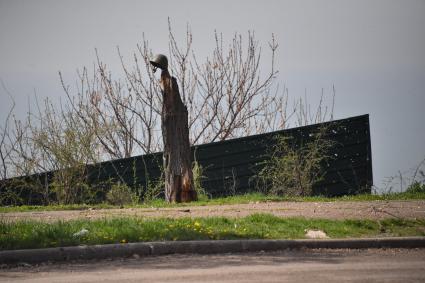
(121, 194)
(294, 167)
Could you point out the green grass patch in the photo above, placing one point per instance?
(34, 234)
(239, 199)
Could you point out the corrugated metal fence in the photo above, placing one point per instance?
(229, 167)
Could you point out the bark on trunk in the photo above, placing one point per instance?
(175, 135)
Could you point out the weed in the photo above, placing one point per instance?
(198, 176)
(121, 194)
(416, 188)
(153, 190)
(293, 168)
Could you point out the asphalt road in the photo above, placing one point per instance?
(316, 266)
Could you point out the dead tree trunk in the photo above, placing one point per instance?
(175, 135)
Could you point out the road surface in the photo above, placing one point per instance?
(390, 265)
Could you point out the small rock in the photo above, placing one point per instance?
(316, 234)
(136, 256)
(81, 233)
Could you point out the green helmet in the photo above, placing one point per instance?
(159, 61)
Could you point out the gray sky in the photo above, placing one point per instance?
(372, 51)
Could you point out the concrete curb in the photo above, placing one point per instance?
(198, 247)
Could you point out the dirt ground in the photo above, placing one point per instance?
(330, 210)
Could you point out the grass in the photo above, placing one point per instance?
(239, 199)
(34, 234)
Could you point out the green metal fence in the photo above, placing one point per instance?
(230, 167)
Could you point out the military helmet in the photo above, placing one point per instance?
(159, 61)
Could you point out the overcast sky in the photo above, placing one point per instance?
(372, 51)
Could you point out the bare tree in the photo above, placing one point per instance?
(6, 143)
(232, 92)
(5, 146)
(305, 115)
(226, 97)
(105, 118)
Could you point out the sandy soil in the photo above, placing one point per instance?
(330, 210)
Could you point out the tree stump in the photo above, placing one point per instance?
(175, 135)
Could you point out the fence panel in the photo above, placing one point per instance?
(229, 167)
